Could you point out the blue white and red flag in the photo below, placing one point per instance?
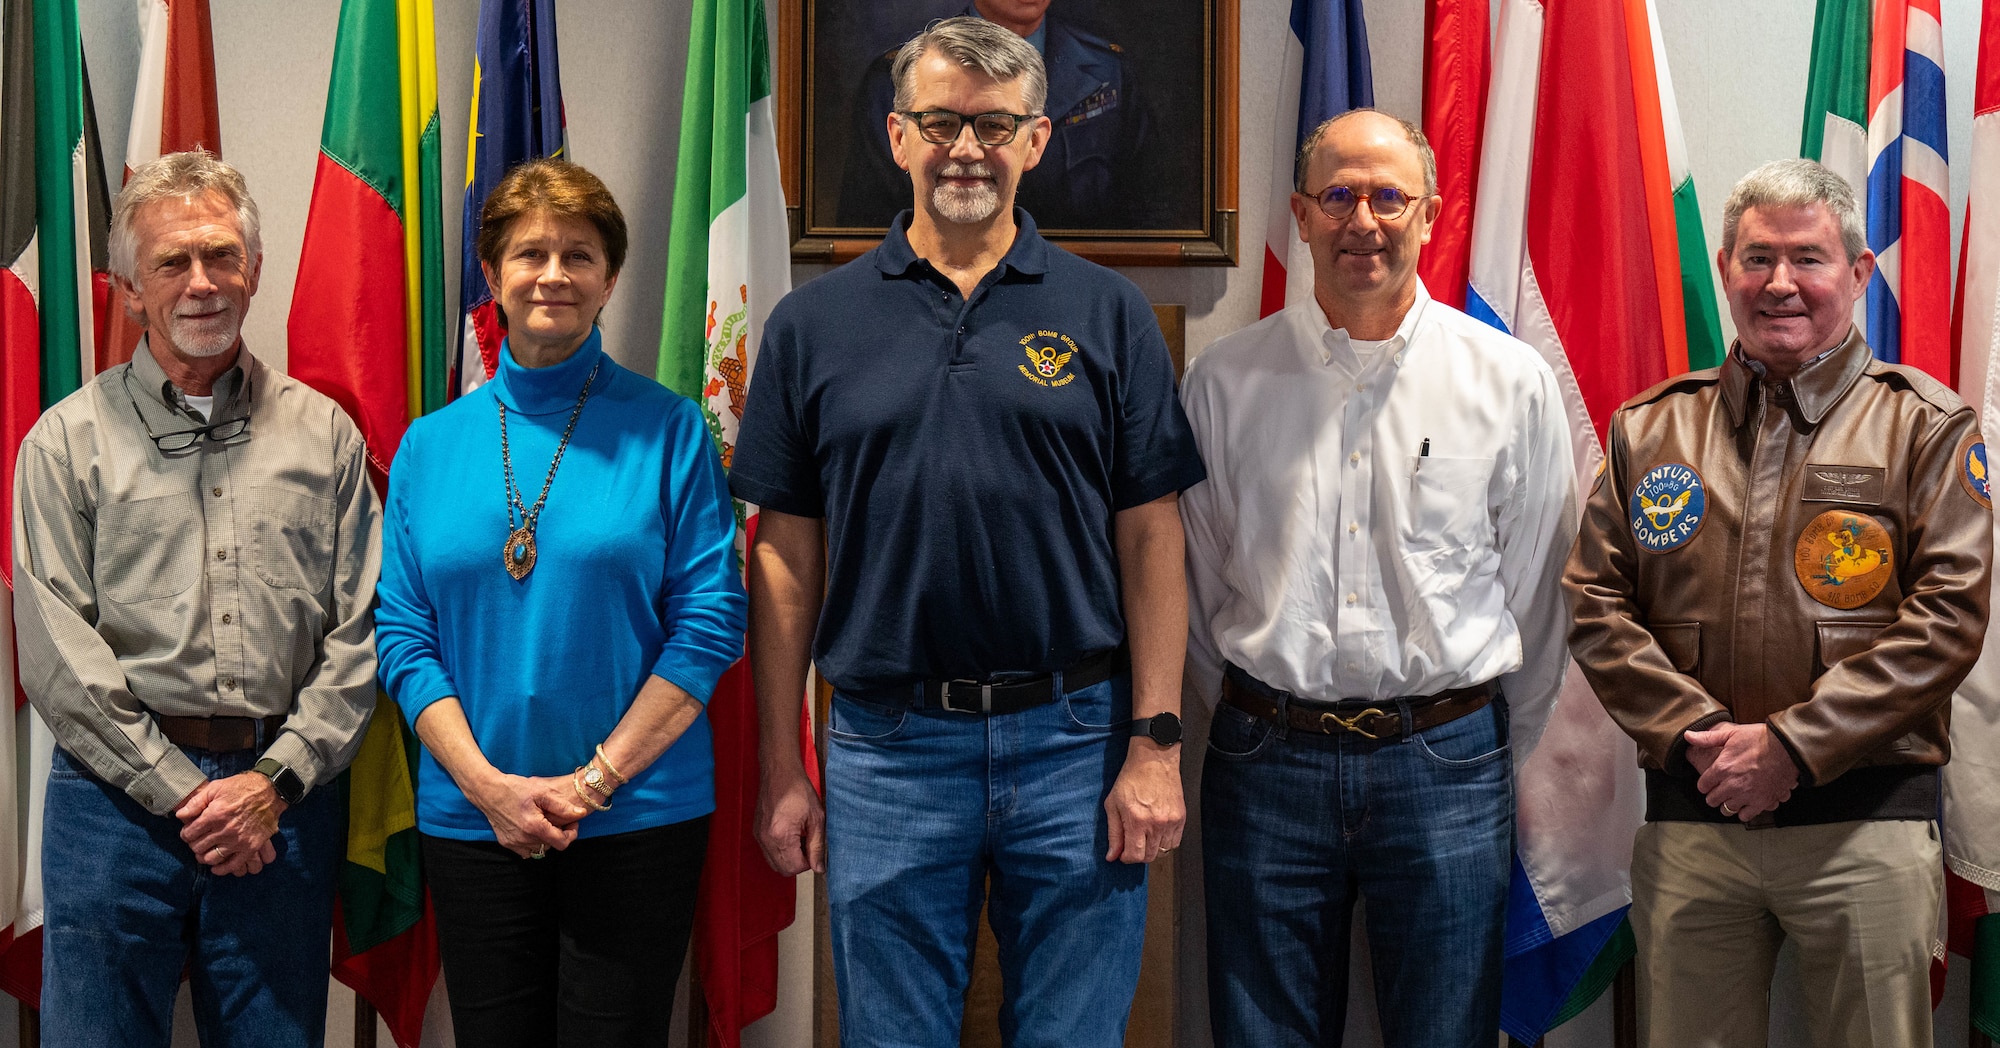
(1909, 219)
(1325, 73)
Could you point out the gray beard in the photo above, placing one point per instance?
(205, 336)
(965, 206)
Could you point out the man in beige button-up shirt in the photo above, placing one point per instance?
(196, 544)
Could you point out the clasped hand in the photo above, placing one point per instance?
(1745, 770)
(228, 823)
(529, 814)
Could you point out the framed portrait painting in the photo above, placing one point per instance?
(1141, 163)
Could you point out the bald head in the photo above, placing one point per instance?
(1360, 130)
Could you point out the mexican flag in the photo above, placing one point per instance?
(53, 297)
(374, 223)
(729, 262)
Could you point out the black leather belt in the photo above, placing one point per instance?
(1371, 720)
(985, 697)
(219, 734)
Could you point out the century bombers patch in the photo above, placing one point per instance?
(1844, 558)
(1668, 507)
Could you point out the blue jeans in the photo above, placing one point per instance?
(1296, 826)
(923, 807)
(129, 908)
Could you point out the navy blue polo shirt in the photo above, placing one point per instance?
(967, 455)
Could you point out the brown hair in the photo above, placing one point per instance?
(556, 187)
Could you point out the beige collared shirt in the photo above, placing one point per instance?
(234, 578)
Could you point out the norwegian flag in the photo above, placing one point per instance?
(1909, 218)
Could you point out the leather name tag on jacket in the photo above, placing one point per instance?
(1860, 484)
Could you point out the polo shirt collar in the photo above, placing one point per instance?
(1029, 254)
(542, 391)
(152, 380)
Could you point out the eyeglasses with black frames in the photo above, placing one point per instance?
(181, 440)
(941, 126)
(1387, 203)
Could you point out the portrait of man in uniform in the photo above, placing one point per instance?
(1125, 151)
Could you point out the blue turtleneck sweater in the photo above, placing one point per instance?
(636, 574)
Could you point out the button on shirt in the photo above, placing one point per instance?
(234, 578)
(1330, 554)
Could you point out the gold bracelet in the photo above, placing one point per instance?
(610, 769)
(585, 797)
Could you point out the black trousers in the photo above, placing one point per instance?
(581, 948)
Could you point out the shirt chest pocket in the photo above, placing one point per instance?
(1448, 503)
(290, 537)
(147, 549)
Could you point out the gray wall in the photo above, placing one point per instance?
(1739, 70)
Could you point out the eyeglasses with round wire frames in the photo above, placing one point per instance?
(1387, 203)
(181, 440)
(941, 126)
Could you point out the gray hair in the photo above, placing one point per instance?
(1796, 183)
(975, 43)
(193, 173)
(1414, 133)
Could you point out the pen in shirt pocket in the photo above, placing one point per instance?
(1422, 454)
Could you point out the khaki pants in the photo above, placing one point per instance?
(1712, 903)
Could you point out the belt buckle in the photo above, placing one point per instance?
(985, 696)
(1352, 724)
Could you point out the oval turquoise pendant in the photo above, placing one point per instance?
(519, 552)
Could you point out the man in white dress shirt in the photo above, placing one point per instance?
(1373, 572)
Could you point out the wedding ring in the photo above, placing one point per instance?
(1729, 811)
(539, 853)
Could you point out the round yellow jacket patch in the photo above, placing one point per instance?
(1844, 558)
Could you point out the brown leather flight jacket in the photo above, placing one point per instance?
(1812, 554)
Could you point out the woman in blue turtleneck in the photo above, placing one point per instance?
(559, 595)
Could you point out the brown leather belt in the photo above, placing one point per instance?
(1376, 720)
(219, 734)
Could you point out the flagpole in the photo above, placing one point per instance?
(364, 1023)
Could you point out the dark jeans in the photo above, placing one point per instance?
(581, 948)
(1297, 827)
(923, 809)
(129, 907)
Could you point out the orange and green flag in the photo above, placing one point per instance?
(375, 224)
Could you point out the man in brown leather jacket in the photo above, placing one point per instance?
(1781, 578)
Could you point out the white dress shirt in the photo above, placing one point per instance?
(1379, 525)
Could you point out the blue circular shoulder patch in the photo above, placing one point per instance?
(1668, 507)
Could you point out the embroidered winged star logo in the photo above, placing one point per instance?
(1662, 513)
(1047, 361)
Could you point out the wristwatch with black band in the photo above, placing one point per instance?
(291, 789)
(1163, 728)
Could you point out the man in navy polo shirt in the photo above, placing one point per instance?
(972, 437)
